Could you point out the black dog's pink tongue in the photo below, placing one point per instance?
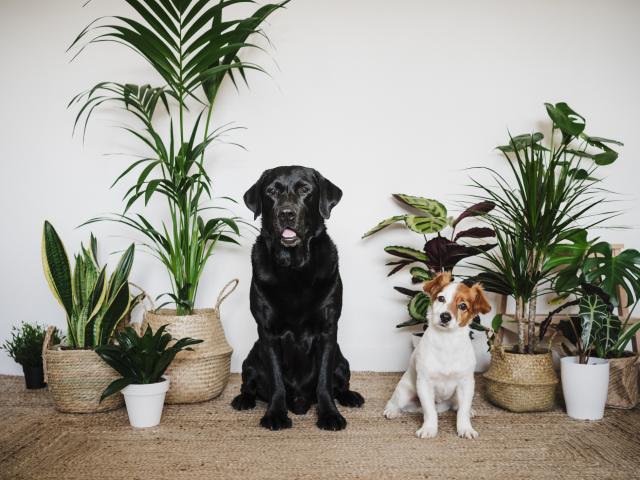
(288, 233)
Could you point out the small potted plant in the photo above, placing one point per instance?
(439, 254)
(142, 361)
(25, 347)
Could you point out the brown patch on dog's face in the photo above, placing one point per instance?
(468, 302)
(435, 286)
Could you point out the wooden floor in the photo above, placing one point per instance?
(212, 441)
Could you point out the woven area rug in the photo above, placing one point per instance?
(212, 441)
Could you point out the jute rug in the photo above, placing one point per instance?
(212, 441)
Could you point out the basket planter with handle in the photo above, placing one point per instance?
(77, 378)
(201, 374)
(521, 382)
(624, 375)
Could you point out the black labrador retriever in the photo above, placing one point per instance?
(296, 300)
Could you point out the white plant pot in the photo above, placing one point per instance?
(585, 387)
(145, 403)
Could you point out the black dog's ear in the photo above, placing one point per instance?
(253, 197)
(330, 195)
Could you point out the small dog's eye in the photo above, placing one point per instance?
(462, 306)
(441, 299)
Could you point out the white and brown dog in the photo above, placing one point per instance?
(440, 374)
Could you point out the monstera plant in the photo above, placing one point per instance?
(193, 46)
(94, 303)
(439, 253)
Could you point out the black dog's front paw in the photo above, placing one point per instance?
(275, 421)
(244, 401)
(350, 399)
(331, 421)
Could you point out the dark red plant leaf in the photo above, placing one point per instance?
(476, 232)
(407, 291)
(443, 254)
(474, 211)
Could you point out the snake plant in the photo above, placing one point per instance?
(94, 305)
(193, 47)
(141, 359)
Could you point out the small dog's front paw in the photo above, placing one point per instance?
(331, 421)
(350, 399)
(467, 432)
(275, 421)
(472, 413)
(244, 401)
(391, 412)
(427, 432)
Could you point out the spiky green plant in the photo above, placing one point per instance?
(141, 359)
(94, 305)
(550, 190)
(193, 47)
(25, 344)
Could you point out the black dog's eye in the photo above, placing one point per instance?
(271, 190)
(462, 306)
(441, 299)
(303, 189)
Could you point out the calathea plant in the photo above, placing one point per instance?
(550, 190)
(439, 253)
(94, 303)
(193, 47)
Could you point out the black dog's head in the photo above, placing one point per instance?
(294, 202)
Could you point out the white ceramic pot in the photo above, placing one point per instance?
(145, 403)
(585, 387)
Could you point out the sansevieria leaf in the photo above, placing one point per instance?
(56, 267)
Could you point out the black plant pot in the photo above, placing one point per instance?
(34, 377)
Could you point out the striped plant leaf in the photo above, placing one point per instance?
(385, 224)
(418, 307)
(56, 267)
(427, 206)
(424, 225)
(406, 252)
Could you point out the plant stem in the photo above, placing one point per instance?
(531, 319)
(520, 320)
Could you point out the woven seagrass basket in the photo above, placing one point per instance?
(520, 382)
(201, 374)
(77, 378)
(623, 382)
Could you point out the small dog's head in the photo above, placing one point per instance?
(454, 304)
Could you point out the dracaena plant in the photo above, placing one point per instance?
(590, 277)
(94, 303)
(439, 253)
(193, 47)
(141, 359)
(549, 191)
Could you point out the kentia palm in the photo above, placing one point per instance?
(193, 48)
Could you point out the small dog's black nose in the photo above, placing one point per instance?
(286, 214)
(445, 317)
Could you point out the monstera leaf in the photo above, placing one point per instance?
(611, 272)
(569, 257)
(566, 119)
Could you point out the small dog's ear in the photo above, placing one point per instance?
(329, 195)
(253, 197)
(480, 303)
(435, 285)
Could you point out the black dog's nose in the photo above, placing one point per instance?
(286, 214)
(445, 317)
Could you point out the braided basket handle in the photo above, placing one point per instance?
(45, 346)
(224, 293)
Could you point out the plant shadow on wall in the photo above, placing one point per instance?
(193, 48)
(439, 254)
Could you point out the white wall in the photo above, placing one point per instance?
(380, 96)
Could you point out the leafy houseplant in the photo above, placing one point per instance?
(93, 303)
(193, 48)
(552, 189)
(439, 253)
(25, 347)
(142, 362)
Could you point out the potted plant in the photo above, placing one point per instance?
(591, 274)
(25, 347)
(193, 47)
(94, 305)
(551, 190)
(439, 254)
(142, 362)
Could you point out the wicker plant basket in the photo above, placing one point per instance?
(77, 378)
(521, 383)
(201, 374)
(623, 382)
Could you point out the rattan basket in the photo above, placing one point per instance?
(77, 378)
(521, 382)
(623, 382)
(201, 374)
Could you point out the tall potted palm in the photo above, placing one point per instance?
(193, 47)
(552, 189)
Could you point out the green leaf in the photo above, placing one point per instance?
(426, 206)
(411, 322)
(567, 120)
(56, 267)
(421, 274)
(384, 224)
(496, 323)
(407, 253)
(425, 225)
(611, 272)
(419, 306)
